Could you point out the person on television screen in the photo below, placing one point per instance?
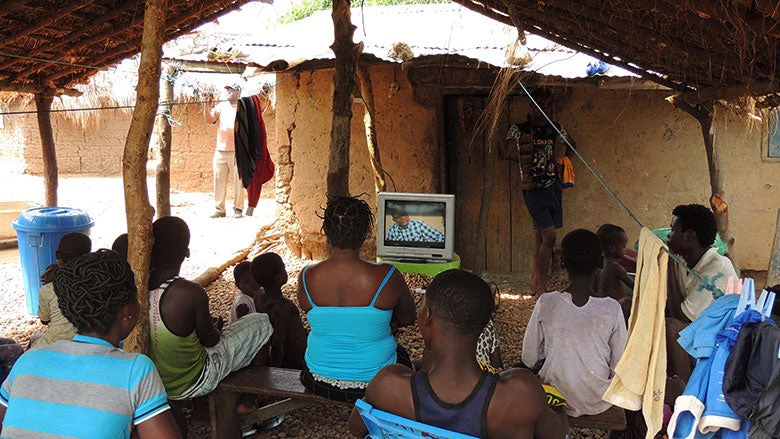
(404, 229)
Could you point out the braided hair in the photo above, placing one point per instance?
(91, 289)
(347, 222)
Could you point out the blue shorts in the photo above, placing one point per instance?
(545, 206)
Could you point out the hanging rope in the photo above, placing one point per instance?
(707, 285)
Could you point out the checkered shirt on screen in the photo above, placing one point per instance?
(417, 230)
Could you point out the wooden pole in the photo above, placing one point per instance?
(139, 212)
(162, 129)
(773, 276)
(705, 115)
(369, 120)
(347, 53)
(484, 205)
(43, 105)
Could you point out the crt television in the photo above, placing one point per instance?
(415, 227)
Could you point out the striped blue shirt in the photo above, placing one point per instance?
(82, 388)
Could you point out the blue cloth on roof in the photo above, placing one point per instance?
(699, 338)
(349, 343)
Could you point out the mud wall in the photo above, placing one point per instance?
(406, 135)
(653, 157)
(97, 148)
(649, 152)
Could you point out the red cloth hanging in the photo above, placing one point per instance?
(264, 166)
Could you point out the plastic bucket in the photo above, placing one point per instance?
(38, 232)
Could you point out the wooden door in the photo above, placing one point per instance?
(508, 243)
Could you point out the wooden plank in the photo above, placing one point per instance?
(612, 419)
(225, 422)
(273, 381)
(499, 242)
(522, 233)
(773, 276)
(469, 160)
(271, 410)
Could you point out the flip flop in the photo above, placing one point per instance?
(267, 425)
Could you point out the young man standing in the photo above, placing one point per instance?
(537, 146)
(454, 393)
(189, 352)
(693, 233)
(224, 163)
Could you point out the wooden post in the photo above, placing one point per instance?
(162, 129)
(704, 114)
(347, 53)
(484, 205)
(43, 106)
(773, 276)
(139, 211)
(367, 91)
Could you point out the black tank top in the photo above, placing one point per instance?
(467, 417)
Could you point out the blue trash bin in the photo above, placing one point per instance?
(38, 232)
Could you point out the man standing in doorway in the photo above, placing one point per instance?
(224, 163)
(536, 144)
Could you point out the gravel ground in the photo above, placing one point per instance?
(213, 240)
(329, 421)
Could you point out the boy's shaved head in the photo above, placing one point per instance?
(73, 245)
(268, 267)
(461, 300)
(171, 241)
(581, 252)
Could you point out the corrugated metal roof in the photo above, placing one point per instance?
(429, 30)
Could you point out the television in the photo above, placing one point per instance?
(415, 227)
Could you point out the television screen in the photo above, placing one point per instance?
(415, 223)
(415, 227)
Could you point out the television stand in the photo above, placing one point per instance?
(423, 267)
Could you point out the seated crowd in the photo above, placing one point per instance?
(572, 343)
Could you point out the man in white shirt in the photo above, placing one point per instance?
(224, 163)
(693, 233)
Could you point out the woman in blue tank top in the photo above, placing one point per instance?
(353, 306)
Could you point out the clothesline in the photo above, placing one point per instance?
(711, 287)
(125, 107)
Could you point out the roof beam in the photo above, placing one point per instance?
(33, 89)
(731, 92)
(502, 16)
(47, 19)
(10, 6)
(206, 66)
(132, 47)
(62, 42)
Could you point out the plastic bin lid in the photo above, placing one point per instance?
(53, 219)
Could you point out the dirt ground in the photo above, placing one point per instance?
(212, 242)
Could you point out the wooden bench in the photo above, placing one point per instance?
(271, 381)
(612, 419)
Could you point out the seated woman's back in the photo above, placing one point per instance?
(350, 336)
(352, 306)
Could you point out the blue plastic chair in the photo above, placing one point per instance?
(383, 425)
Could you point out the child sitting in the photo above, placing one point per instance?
(579, 338)
(288, 342)
(248, 290)
(614, 280)
(71, 246)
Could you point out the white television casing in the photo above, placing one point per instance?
(415, 253)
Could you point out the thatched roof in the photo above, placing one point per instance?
(714, 48)
(90, 33)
